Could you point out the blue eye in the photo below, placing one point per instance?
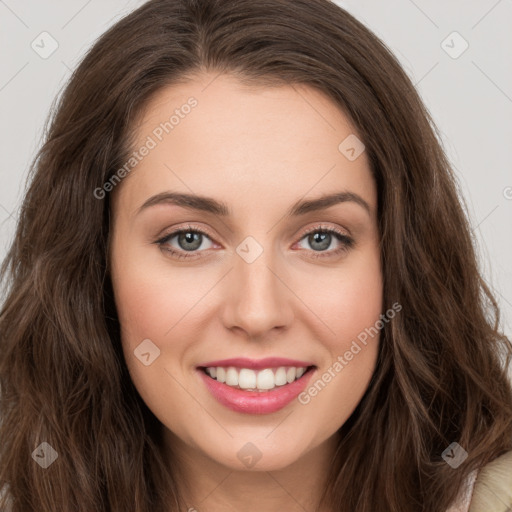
(321, 237)
(191, 239)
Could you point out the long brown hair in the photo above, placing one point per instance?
(63, 379)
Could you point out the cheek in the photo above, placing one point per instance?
(148, 309)
(145, 310)
(357, 307)
(352, 352)
(351, 307)
(152, 298)
(347, 300)
(359, 331)
(164, 305)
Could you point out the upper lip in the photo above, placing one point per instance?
(256, 364)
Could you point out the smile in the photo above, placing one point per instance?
(256, 387)
(251, 380)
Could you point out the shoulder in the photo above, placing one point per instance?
(492, 490)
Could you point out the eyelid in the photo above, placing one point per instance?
(189, 227)
(323, 227)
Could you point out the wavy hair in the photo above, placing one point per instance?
(441, 372)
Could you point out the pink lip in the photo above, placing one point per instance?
(255, 402)
(256, 364)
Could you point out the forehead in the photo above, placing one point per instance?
(246, 145)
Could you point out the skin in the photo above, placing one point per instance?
(259, 150)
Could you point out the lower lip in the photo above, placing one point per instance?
(256, 402)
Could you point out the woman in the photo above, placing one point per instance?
(254, 369)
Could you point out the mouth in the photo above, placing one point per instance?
(260, 387)
(263, 380)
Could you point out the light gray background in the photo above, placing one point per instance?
(470, 97)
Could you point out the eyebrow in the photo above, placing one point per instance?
(210, 205)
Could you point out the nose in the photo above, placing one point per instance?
(257, 297)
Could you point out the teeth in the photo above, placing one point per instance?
(280, 378)
(232, 377)
(221, 373)
(246, 378)
(266, 379)
(291, 373)
(262, 380)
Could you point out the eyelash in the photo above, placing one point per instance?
(346, 241)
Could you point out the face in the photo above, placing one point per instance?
(263, 284)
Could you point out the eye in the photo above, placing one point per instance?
(320, 239)
(190, 240)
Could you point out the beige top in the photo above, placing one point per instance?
(464, 500)
(488, 490)
(493, 488)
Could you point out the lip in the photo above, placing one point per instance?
(255, 402)
(256, 364)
